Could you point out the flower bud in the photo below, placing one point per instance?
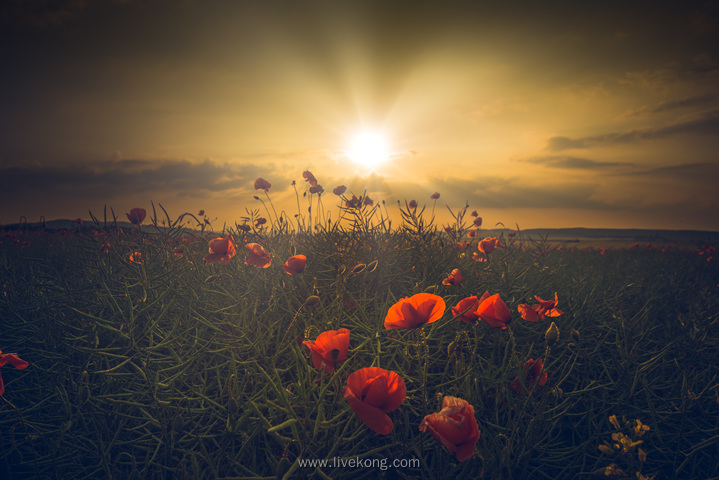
(575, 334)
(552, 335)
(312, 300)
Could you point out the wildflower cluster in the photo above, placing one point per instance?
(625, 441)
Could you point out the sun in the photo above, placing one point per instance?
(368, 149)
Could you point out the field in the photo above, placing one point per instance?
(144, 360)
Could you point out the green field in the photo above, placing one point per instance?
(165, 366)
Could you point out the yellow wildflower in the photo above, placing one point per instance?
(639, 428)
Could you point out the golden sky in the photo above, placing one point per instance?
(542, 114)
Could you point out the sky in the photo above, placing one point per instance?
(537, 114)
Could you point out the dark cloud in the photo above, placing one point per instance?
(575, 163)
(706, 125)
(131, 176)
(692, 171)
(663, 107)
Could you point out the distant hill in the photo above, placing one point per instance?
(635, 234)
(567, 234)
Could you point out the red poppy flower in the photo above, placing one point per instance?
(13, 360)
(435, 196)
(201, 213)
(258, 257)
(455, 278)
(534, 376)
(413, 204)
(105, 248)
(136, 257)
(368, 201)
(262, 184)
(221, 250)
(494, 311)
(471, 315)
(488, 244)
(244, 227)
(136, 215)
(542, 310)
(415, 311)
(454, 426)
(373, 392)
(260, 221)
(307, 175)
(316, 189)
(329, 349)
(477, 222)
(354, 202)
(339, 190)
(295, 264)
(472, 233)
(474, 213)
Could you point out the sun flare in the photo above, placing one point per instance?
(368, 149)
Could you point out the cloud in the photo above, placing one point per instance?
(132, 176)
(704, 171)
(575, 163)
(705, 125)
(689, 102)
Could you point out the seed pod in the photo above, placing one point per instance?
(575, 334)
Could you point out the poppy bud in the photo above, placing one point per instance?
(233, 406)
(552, 335)
(359, 268)
(283, 466)
(178, 424)
(605, 449)
(256, 197)
(575, 334)
(312, 300)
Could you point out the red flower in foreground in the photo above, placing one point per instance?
(221, 250)
(493, 311)
(262, 184)
(339, 190)
(367, 201)
(307, 175)
(542, 310)
(136, 215)
(455, 278)
(258, 257)
(471, 315)
(373, 392)
(329, 349)
(534, 376)
(413, 204)
(13, 360)
(488, 245)
(415, 311)
(435, 196)
(454, 426)
(295, 264)
(316, 189)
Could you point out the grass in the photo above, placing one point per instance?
(174, 368)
